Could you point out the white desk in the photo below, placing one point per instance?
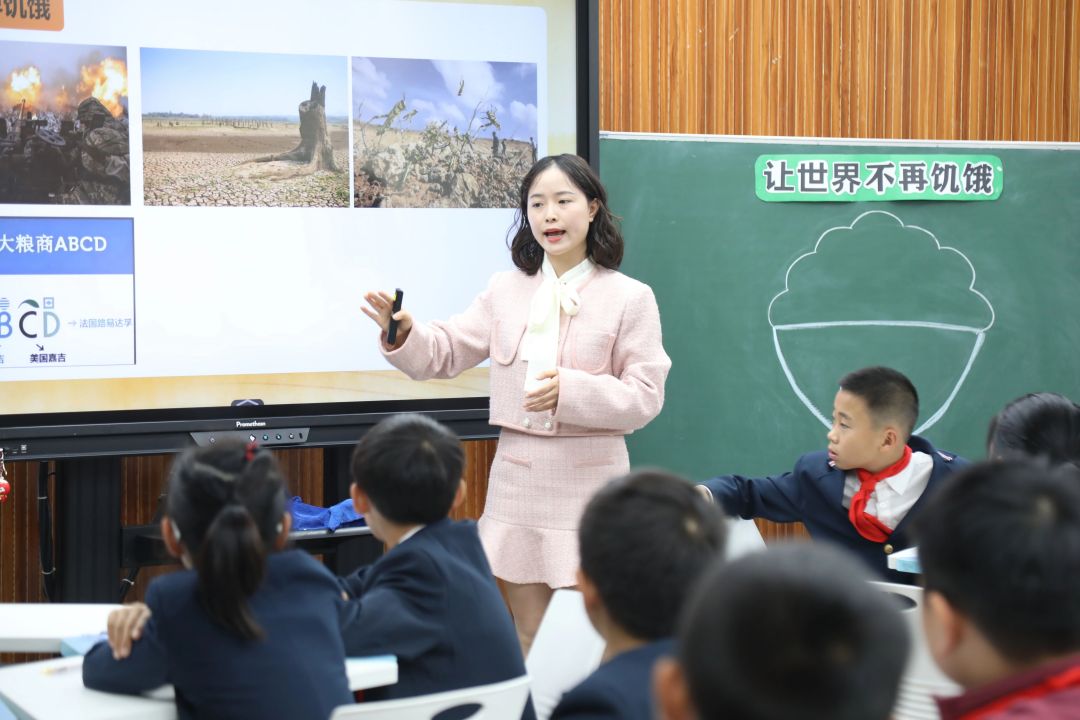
(40, 627)
(743, 538)
(54, 689)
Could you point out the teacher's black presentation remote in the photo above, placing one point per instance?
(391, 332)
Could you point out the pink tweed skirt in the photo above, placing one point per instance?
(537, 491)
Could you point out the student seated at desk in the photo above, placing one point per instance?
(645, 539)
(247, 630)
(1000, 555)
(792, 632)
(862, 491)
(1037, 425)
(431, 600)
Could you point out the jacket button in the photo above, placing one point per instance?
(547, 424)
(888, 549)
(526, 422)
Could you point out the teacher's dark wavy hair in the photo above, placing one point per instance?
(603, 243)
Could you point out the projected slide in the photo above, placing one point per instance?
(195, 196)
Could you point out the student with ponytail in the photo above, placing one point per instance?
(248, 629)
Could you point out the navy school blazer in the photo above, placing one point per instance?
(296, 671)
(433, 602)
(813, 494)
(620, 689)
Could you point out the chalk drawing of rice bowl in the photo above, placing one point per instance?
(879, 292)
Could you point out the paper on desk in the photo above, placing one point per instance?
(80, 644)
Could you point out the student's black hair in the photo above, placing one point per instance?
(227, 501)
(410, 467)
(792, 632)
(1037, 425)
(1001, 542)
(888, 394)
(603, 242)
(644, 539)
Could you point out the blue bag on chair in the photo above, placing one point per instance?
(311, 517)
(344, 514)
(308, 517)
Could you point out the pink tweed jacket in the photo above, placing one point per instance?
(612, 364)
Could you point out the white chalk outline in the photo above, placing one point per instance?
(980, 333)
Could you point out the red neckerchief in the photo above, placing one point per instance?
(869, 526)
(1067, 678)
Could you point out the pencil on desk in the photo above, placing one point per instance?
(56, 669)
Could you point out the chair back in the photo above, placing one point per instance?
(564, 652)
(498, 701)
(922, 678)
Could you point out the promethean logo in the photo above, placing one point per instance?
(250, 424)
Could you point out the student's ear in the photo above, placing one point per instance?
(594, 206)
(590, 597)
(360, 501)
(283, 533)
(171, 536)
(670, 691)
(459, 496)
(589, 594)
(943, 625)
(891, 438)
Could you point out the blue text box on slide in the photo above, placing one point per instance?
(67, 246)
(67, 295)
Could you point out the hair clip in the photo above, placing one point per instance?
(249, 451)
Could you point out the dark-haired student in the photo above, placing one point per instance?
(431, 600)
(864, 488)
(1000, 555)
(793, 632)
(247, 630)
(645, 539)
(1037, 425)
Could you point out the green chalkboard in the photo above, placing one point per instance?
(766, 304)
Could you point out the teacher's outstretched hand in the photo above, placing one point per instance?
(381, 311)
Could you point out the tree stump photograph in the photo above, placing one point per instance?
(244, 129)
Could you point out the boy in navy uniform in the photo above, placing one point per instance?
(431, 600)
(645, 539)
(794, 632)
(1000, 555)
(862, 490)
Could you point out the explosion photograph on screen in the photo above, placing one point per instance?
(64, 124)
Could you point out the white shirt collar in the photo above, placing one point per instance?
(900, 481)
(412, 531)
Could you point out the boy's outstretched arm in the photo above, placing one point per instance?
(777, 498)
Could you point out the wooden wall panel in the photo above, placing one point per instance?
(20, 573)
(143, 480)
(925, 69)
(478, 457)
